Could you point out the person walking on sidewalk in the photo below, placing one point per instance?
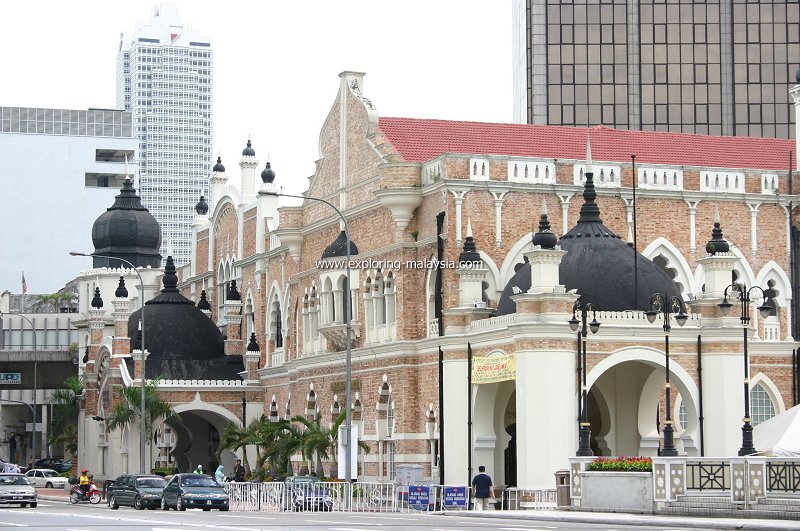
(484, 489)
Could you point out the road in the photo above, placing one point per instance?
(50, 515)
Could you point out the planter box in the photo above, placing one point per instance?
(617, 491)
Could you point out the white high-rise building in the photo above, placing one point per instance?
(164, 75)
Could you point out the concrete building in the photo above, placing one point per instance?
(722, 67)
(164, 79)
(65, 159)
(462, 350)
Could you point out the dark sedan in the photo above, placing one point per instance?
(186, 491)
(137, 491)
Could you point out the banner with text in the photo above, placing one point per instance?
(494, 369)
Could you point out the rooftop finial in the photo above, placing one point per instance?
(588, 153)
(544, 238)
(718, 243)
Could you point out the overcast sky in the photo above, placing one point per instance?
(276, 64)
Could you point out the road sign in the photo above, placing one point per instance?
(419, 495)
(10, 378)
(455, 496)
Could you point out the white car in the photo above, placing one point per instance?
(44, 477)
(15, 489)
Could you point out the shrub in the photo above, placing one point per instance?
(624, 464)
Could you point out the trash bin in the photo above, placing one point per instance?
(562, 488)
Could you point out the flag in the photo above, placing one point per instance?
(24, 284)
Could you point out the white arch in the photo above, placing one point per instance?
(772, 271)
(199, 406)
(772, 390)
(493, 278)
(662, 245)
(514, 256)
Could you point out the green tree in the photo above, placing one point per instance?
(52, 302)
(66, 408)
(128, 411)
(324, 442)
(235, 437)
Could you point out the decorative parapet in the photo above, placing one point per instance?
(605, 176)
(721, 181)
(653, 178)
(769, 183)
(432, 172)
(479, 169)
(202, 383)
(531, 171)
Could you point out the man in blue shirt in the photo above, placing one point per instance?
(483, 489)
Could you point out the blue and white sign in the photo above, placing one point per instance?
(455, 496)
(419, 495)
(10, 378)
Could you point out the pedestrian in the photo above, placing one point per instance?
(484, 489)
(219, 475)
(199, 469)
(238, 471)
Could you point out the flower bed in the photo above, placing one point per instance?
(621, 464)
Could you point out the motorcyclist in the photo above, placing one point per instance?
(84, 482)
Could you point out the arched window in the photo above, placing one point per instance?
(761, 406)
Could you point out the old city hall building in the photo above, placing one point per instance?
(470, 244)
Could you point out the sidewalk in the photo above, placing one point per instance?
(52, 494)
(635, 519)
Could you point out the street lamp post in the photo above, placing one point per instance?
(584, 433)
(141, 304)
(35, 383)
(666, 306)
(348, 331)
(743, 295)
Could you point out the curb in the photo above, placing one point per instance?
(634, 519)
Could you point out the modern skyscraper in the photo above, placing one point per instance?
(164, 75)
(720, 67)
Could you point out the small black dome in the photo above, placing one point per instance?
(97, 302)
(122, 291)
(339, 247)
(545, 237)
(183, 343)
(252, 346)
(218, 167)
(249, 151)
(717, 243)
(267, 175)
(469, 254)
(201, 207)
(203, 304)
(599, 265)
(127, 230)
(233, 293)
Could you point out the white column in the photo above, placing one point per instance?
(692, 225)
(459, 198)
(498, 219)
(789, 331)
(456, 450)
(723, 415)
(753, 224)
(546, 396)
(564, 201)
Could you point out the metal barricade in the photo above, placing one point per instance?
(374, 497)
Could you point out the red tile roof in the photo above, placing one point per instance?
(418, 140)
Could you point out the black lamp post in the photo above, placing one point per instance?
(584, 446)
(666, 306)
(743, 295)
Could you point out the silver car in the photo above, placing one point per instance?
(15, 489)
(44, 477)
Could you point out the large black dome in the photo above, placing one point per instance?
(184, 344)
(599, 265)
(127, 230)
(339, 247)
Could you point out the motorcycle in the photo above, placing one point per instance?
(92, 495)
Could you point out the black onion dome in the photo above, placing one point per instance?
(249, 151)
(545, 237)
(218, 167)
(184, 344)
(717, 243)
(233, 293)
(201, 207)
(339, 247)
(252, 346)
(599, 265)
(97, 302)
(127, 231)
(469, 255)
(122, 291)
(267, 174)
(203, 304)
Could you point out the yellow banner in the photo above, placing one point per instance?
(494, 369)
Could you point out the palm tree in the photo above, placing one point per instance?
(128, 411)
(324, 443)
(236, 437)
(66, 407)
